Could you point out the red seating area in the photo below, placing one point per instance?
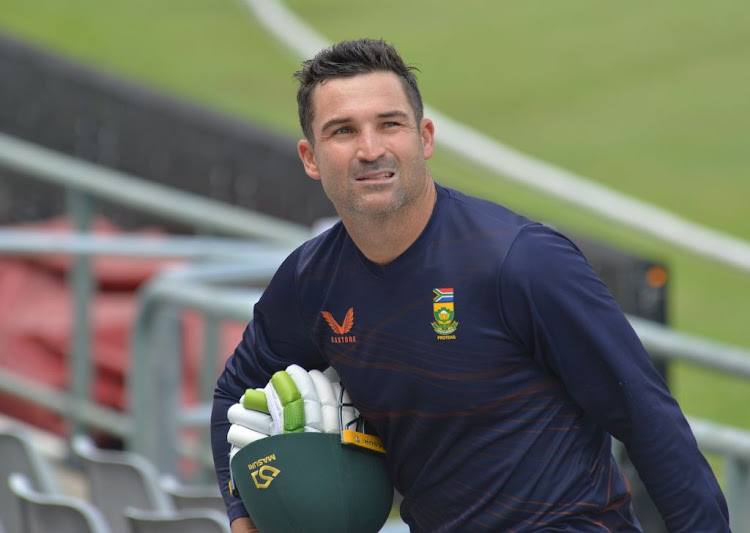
(36, 326)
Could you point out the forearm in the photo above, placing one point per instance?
(220, 447)
(680, 481)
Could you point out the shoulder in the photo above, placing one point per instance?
(483, 212)
(544, 261)
(321, 249)
(480, 229)
(538, 242)
(313, 263)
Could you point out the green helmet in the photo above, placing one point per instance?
(312, 482)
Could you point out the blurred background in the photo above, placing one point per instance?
(648, 100)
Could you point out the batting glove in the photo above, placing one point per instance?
(293, 401)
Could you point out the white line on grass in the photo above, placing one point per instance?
(511, 163)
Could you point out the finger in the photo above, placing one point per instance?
(331, 374)
(307, 389)
(328, 401)
(255, 399)
(250, 419)
(241, 436)
(285, 403)
(232, 452)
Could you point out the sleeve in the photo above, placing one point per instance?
(275, 338)
(561, 311)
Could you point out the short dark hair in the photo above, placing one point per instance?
(349, 58)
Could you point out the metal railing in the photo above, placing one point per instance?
(84, 183)
(222, 291)
(76, 405)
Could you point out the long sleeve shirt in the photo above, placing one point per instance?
(495, 366)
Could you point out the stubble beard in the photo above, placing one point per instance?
(405, 192)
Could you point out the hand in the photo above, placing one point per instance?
(294, 400)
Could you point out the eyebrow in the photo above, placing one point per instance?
(345, 120)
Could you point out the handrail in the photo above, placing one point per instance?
(159, 300)
(721, 439)
(24, 242)
(61, 402)
(717, 438)
(669, 344)
(125, 189)
(83, 181)
(35, 242)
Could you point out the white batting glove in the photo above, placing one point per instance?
(293, 401)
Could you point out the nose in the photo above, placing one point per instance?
(370, 145)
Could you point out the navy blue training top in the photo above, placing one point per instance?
(494, 364)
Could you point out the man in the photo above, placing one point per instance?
(490, 359)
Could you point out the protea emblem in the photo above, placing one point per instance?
(442, 310)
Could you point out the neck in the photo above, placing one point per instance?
(383, 238)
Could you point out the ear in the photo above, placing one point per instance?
(427, 132)
(307, 155)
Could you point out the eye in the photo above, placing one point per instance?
(343, 130)
(390, 124)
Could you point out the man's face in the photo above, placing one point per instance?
(369, 153)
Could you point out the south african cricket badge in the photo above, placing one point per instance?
(445, 324)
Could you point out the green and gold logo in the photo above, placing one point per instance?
(265, 474)
(445, 324)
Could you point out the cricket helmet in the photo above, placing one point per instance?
(313, 483)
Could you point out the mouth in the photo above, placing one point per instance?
(377, 176)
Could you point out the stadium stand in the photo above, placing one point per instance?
(42, 513)
(118, 480)
(94, 489)
(192, 496)
(37, 286)
(77, 110)
(186, 521)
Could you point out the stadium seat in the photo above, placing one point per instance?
(119, 479)
(18, 454)
(42, 513)
(191, 496)
(186, 521)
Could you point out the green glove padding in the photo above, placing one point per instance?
(285, 404)
(255, 400)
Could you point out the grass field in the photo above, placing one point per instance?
(647, 98)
